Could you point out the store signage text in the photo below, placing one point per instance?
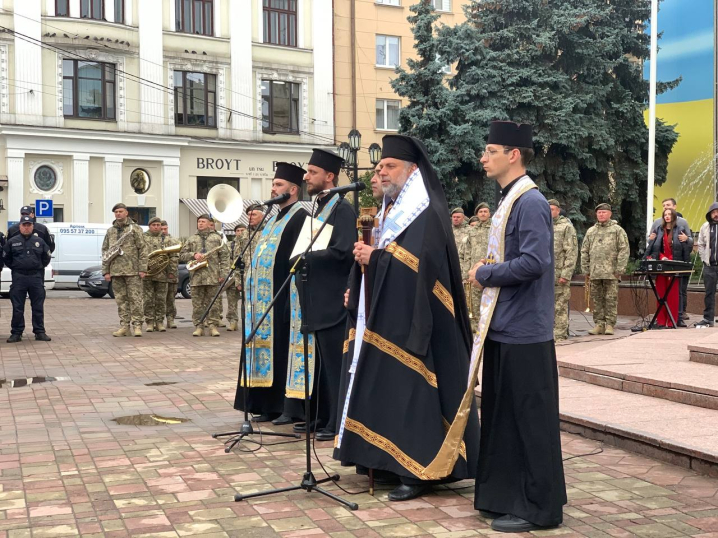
(208, 163)
(300, 165)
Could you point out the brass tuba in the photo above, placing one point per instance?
(159, 259)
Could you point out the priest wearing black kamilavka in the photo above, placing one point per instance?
(268, 352)
(323, 309)
(407, 408)
(520, 483)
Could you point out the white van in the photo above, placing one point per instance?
(6, 280)
(77, 247)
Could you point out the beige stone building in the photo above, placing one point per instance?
(191, 92)
(371, 38)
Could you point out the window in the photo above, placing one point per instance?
(280, 22)
(120, 11)
(142, 215)
(92, 9)
(195, 16)
(441, 5)
(204, 184)
(387, 51)
(280, 107)
(389, 2)
(195, 99)
(58, 214)
(88, 90)
(387, 114)
(62, 8)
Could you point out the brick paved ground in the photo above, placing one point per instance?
(66, 469)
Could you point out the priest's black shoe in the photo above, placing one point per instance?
(43, 337)
(283, 420)
(263, 418)
(14, 338)
(510, 523)
(488, 514)
(406, 493)
(325, 435)
(681, 323)
(301, 427)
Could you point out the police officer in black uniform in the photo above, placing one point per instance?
(27, 255)
(39, 228)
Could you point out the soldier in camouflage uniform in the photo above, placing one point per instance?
(216, 227)
(204, 281)
(172, 279)
(255, 217)
(155, 286)
(604, 255)
(565, 253)
(126, 271)
(235, 249)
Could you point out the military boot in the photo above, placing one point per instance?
(122, 331)
(150, 327)
(232, 326)
(598, 329)
(160, 328)
(213, 330)
(199, 331)
(608, 330)
(222, 323)
(171, 323)
(138, 330)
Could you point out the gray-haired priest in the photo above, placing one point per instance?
(407, 408)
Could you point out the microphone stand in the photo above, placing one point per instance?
(309, 483)
(246, 429)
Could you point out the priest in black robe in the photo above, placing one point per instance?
(406, 408)
(520, 483)
(269, 268)
(323, 309)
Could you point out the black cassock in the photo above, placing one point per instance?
(270, 400)
(323, 310)
(413, 367)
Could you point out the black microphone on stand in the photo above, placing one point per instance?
(352, 187)
(277, 199)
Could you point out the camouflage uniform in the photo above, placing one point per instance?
(125, 269)
(235, 249)
(172, 273)
(155, 287)
(604, 254)
(478, 244)
(204, 281)
(565, 252)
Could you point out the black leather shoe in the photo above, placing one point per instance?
(283, 420)
(407, 493)
(14, 338)
(488, 514)
(681, 323)
(509, 523)
(263, 418)
(43, 337)
(301, 427)
(325, 435)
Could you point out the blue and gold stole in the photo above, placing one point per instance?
(260, 288)
(295, 370)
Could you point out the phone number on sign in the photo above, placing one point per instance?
(77, 231)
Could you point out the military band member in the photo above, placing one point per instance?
(479, 239)
(172, 279)
(155, 286)
(604, 255)
(235, 249)
(565, 252)
(205, 245)
(126, 270)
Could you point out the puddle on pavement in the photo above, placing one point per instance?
(160, 383)
(148, 420)
(24, 382)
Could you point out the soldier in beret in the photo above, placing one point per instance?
(604, 255)
(155, 286)
(565, 252)
(172, 278)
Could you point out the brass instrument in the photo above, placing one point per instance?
(116, 249)
(469, 302)
(159, 259)
(587, 293)
(193, 265)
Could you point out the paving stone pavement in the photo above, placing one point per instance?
(66, 469)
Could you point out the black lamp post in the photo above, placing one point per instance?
(348, 151)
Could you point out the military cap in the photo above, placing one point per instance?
(119, 206)
(252, 207)
(27, 210)
(603, 206)
(25, 219)
(457, 210)
(163, 223)
(553, 201)
(482, 205)
(473, 219)
(153, 220)
(205, 216)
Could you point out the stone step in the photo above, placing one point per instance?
(705, 351)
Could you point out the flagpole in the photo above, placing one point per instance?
(652, 116)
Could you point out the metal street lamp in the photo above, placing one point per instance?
(354, 140)
(349, 152)
(374, 153)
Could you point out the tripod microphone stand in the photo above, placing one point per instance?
(246, 429)
(309, 482)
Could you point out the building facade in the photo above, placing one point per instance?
(372, 38)
(148, 102)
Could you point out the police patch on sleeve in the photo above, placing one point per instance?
(37, 244)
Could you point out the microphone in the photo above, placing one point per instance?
(277, 199)
(352, 187)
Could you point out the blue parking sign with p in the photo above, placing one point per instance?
(43, 209)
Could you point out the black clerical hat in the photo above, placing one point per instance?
(399, 147)
(290, 172)
(508, 133)
(331, 162)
